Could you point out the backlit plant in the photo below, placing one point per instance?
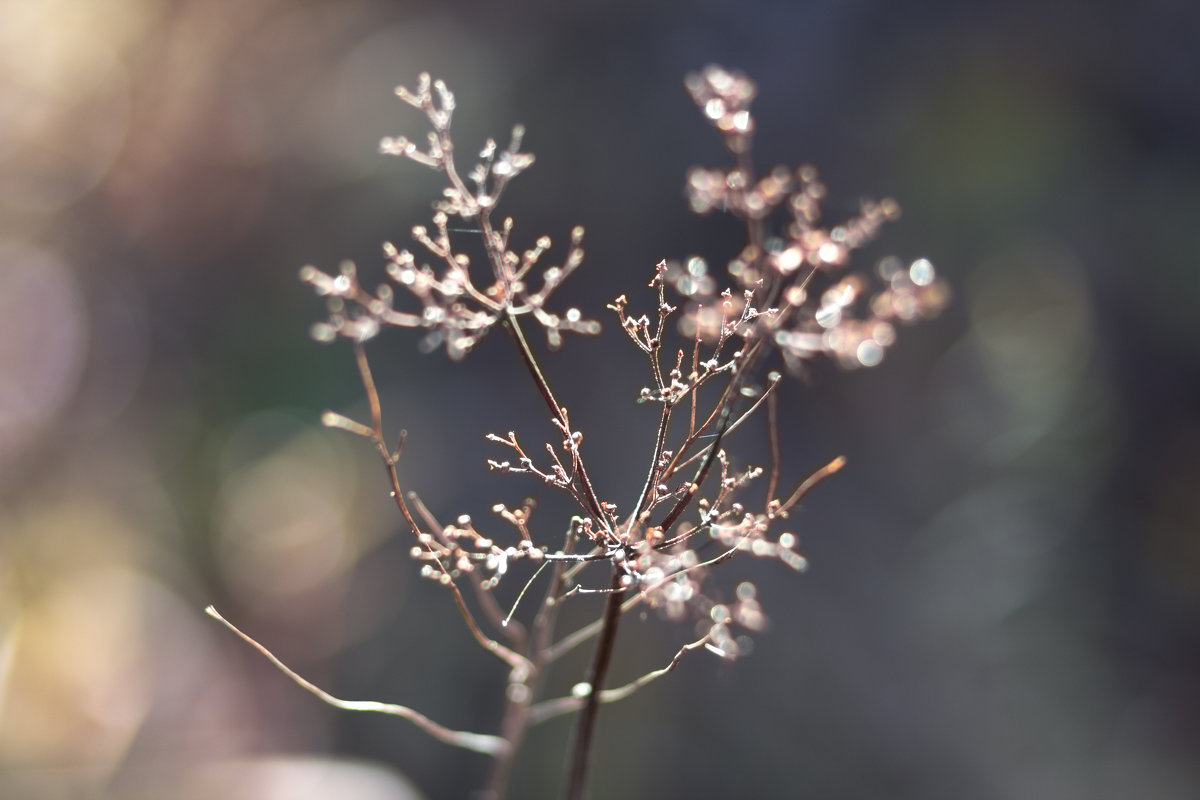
(788, 292)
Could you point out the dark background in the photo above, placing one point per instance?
(1004, 592)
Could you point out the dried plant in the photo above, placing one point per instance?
(787, 292)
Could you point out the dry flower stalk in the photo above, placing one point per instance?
(788, 292)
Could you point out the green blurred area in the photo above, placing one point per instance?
(1004, 597)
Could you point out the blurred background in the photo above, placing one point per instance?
(1004, 592)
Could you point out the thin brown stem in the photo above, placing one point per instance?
(806, 485)
(710, 456)
(513, 325)
(767, 392)
(648, 491)
(513, 630)
(773, 444)
(573, 640)
(514, 659)
(479, 742)
(585, 727)
(566, 705)
(694, 433)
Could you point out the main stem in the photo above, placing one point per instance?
(585, 724)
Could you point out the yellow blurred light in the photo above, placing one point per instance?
(64, 101)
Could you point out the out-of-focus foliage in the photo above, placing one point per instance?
(1004, 591)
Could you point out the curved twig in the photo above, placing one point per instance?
(479, 742)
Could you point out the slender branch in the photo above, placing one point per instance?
(513, 629)
(660, 443)
(514, 659)
(809, 482)
(364, 369)
(511, 657)
(767, 392)
(513, 326)
(773, 444)
(479, 742)
(509, 618)
(749, 358)
(573, 640)
(543, 623)
(566, 705)
(705, 465)
(695, 392)
(694, 432)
